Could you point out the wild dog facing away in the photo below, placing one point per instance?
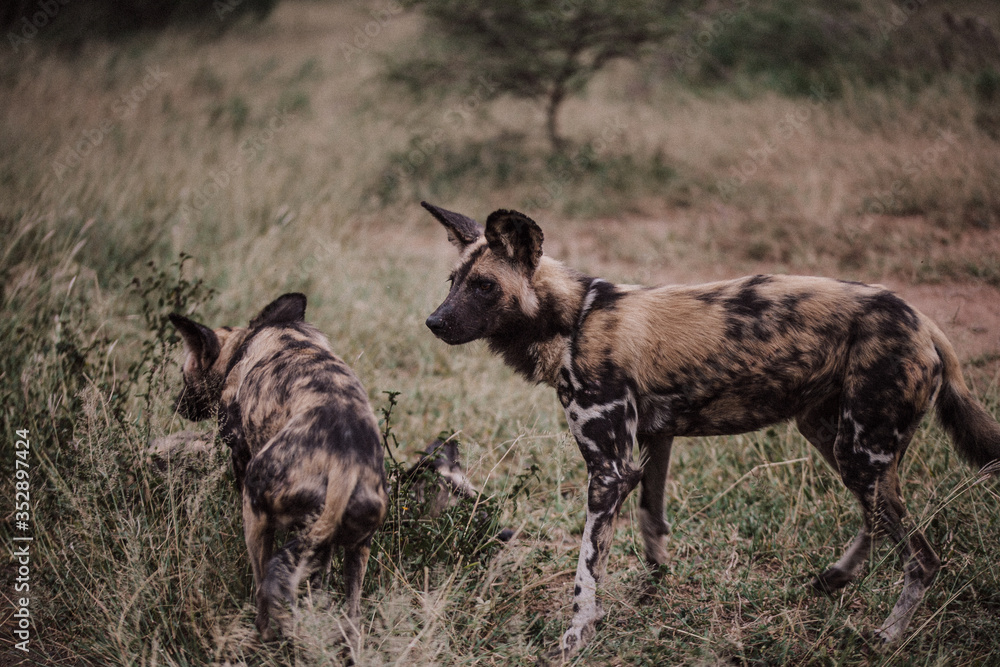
(306, 450)
(854, 365)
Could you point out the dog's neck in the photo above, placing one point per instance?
(535, 344)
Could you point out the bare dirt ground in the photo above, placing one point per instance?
(968, 313)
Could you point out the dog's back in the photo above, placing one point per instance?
(736, 355)
(306, 449)
(304, 420)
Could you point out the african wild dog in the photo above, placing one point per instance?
(306, 450)
(853, 364)
(448, 485)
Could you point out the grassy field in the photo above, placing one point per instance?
(208, 175)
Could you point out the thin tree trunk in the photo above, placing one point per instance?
(552, 116)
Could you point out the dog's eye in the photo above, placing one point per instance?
(485, 286)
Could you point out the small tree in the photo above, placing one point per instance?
(541, 50)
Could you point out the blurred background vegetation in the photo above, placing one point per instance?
(205, 157)
(70, 22)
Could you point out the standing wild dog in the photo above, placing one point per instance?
(853, 364)
(306, 450)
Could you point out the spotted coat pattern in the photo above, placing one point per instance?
(306, 451)
(854, 365)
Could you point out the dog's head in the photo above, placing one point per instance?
(207, 353)
(447, 485)
(491, 286)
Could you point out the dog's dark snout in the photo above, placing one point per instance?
(435, 323)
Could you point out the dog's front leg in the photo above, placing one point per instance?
(605, 493)
(605, 434)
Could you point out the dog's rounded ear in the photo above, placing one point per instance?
(286, 309)
(462, 230)
(450, 449)
(515, 237)
(199, 341)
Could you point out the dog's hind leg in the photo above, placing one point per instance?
(848, 567)
(324, 555)
(355, 565)
(298, 559)
(656, 452)
(920, 563)
(259, 535)
(886, 515)
(819, 425)
(882, 407)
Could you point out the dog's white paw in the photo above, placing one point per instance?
(572, 641)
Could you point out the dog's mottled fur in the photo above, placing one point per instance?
(854, 365)
(306, 450)
(448, 486)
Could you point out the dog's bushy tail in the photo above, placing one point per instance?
(975, 433)
(339, 488)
